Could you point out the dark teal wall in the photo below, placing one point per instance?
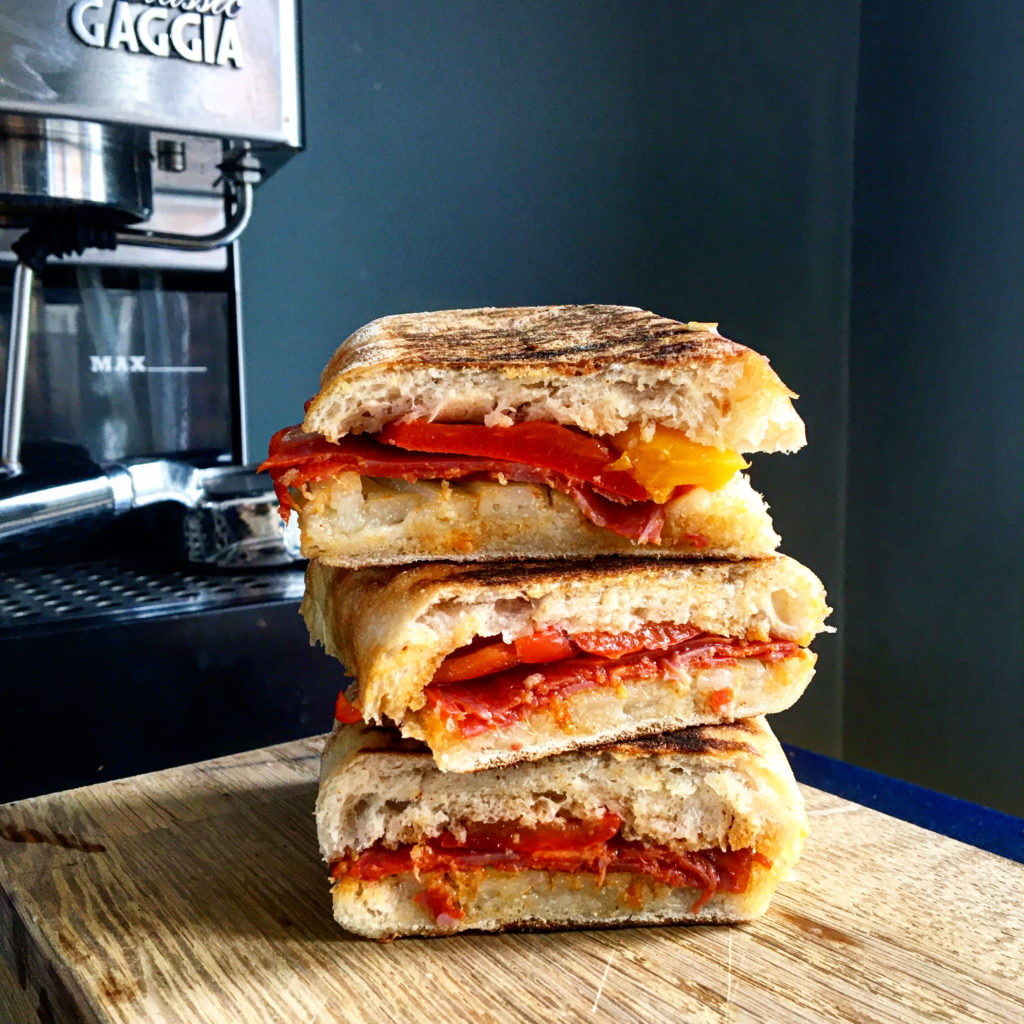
(699, 159)
(934, 682)
(695, 159)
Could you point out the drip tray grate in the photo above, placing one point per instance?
(40, 598)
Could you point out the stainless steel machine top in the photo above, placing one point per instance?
(224, 68)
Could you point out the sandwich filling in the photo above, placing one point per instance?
(490, 684)
(449, 867)
(621, 483)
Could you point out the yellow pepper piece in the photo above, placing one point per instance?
(670, 459)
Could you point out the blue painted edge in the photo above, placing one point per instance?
(971, 823)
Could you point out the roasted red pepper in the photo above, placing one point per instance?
(566, 450)
(487, 685)
(612, 500)
(592, 847)
(345, 711)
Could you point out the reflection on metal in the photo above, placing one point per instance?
(96, 65)
(46, 163)
(233, 227)
(17, 365)
(231, 515)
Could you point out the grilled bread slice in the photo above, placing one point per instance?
(554, 431)
(694, 826)
(351, 521)
(599, 368)
(495, 663)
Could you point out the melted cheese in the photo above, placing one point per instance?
(669, 460)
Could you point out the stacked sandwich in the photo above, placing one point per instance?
(533, 548)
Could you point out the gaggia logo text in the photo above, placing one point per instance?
(200, 31)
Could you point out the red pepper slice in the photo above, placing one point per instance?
(475, 705)
(475, 661)
(612, 500)
(345, 711)
(535, 443)
(483, 658)
(720, 698)
(592, 847)
(558, 834)
(653, 636)
(545, 645)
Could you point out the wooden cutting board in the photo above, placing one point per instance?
(197, 895)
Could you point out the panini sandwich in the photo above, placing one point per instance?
(695, 826)
(533, 432)
(495, 663)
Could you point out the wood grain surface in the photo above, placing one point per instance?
(197, 895)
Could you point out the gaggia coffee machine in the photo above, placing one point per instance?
(147, 585)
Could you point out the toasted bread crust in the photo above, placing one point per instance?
(719, 786)
(356, 521)
(543, 901)
(596, 367)
(571, 340)
(376, 787)
(392, 627)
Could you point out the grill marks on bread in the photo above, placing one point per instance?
(429, 579)
(745, 737)
(698, 741)
(599, 368)
(570, 340)
(391, 627)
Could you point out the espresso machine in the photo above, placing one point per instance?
(146, 579)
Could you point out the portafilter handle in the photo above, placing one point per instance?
(39, 503)
(231, 516)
